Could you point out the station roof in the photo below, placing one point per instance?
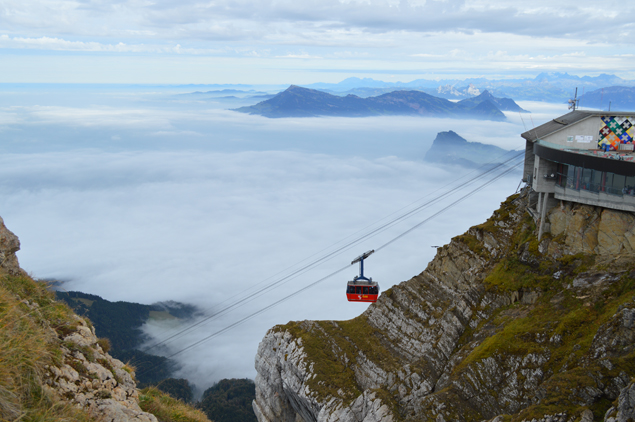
(568, 119)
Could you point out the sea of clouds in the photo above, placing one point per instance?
(147, 197)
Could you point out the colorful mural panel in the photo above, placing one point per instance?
(616, 130)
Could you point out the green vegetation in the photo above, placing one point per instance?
(150, 369)
(230, 401)
(168, 409)
(26, 348)
(490, 226)
(334, 347)
(177, 388)
(557, 314)
(120, 323)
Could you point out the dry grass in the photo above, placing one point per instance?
(26, 347)
(168, 409)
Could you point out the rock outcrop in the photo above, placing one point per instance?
(94, 380)
(624, 410)
(9, 245)
(498, 327)
(591, 230)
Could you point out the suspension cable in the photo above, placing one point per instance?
(330, 255)
(315, 283)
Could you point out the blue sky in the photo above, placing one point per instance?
(285, 41)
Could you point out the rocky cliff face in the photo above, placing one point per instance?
(498, 327)
(94, 380)
(71, 367)
(9, 245)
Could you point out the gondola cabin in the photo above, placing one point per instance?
(362, 289)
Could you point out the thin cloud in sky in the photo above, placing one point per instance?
(249, 18)
(260, 37)
(61, 44)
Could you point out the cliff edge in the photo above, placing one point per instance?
(498, 327)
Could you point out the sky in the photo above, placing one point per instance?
(287, 41)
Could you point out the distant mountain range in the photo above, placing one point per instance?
(296, 101)
(450, 148)
(551, 87)
(224, 95)
(223, 92)
(618, 98)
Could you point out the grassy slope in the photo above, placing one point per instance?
(168, 409)
(27, 347)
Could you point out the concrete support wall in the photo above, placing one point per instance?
(543, 213)
(544, 167)
(528, 170)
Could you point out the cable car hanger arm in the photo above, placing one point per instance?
(363, 256)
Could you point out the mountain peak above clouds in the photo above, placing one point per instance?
(504, 104)
(297, 101)
(449, 148)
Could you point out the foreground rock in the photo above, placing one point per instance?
(9, 245)
(498, 327)
(93, 380)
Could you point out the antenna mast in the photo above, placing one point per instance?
(573, 104)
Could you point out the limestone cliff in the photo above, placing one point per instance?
(9, 245)
(498, 327)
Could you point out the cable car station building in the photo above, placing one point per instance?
(585, 157)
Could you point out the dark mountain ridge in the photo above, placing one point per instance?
(450, 148)
(504, 104)
(621, 98)
(303, 102)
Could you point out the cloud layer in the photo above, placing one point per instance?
(222, 202)
(201, 227)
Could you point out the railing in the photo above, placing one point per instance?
(561, 180)
(578, 185)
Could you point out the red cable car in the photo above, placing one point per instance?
(362, 289)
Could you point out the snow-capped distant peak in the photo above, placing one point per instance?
(472, 90)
